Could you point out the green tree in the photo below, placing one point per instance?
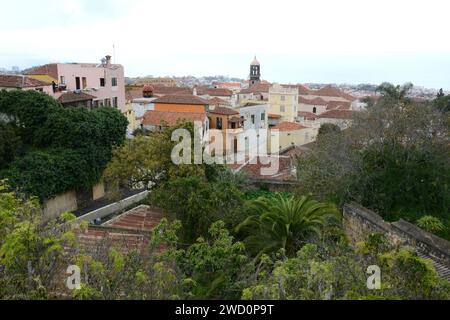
(338, 272)
(197, 203)
(397, 93)
(55, 149)
(281, 223)
(10, 144)
(393, 159)
(32, 255)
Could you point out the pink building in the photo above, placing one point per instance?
(104, 81)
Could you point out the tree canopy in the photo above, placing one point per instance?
(48, 149)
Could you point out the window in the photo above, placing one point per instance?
(115, 102)
(84, 81)
(283, 98)
(263, 116)
(219, 123)
(62, 80)
(102, 82)
(282, 108)
(253, 119)
(314, 110)
(77, 83)
(114, 82)
(108, 102)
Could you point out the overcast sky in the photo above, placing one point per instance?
(327, 41)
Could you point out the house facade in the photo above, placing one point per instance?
(105, 81)
(286, 135)
(283, 102)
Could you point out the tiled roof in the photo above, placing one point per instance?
(342, 105)
(253, 169)
(315, 102)
(156, 118)
(256, 88)
(13, 81)
(133, 93)
(128, 232)
(181, 99)
(224, 111)
(141, 218)
(214, 92)
(338, 114)
(330, 91)
(70, 97)
(289, 126)
(163, 90)
(48, 69)
(274, 116)
(307, 115)
(217, 101)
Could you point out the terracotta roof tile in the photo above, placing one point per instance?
(48, 69)
(181, 99)
(330, 91)
(289, 126)
(14, 81)
(338, 114)
(224, 111)
(214, 92)
(257, 88)
(156, 118)
(307, 115)
(70, 97)
(316, 101)
(217, 101)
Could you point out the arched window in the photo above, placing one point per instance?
(314, 110)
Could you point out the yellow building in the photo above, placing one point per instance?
(288, 134)
(283, 101)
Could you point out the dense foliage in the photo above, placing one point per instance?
(46, 149)
(393, 159)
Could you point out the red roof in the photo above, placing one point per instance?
(254, 170)
(338, 114)
(70, 97)
(157, 118)
(256, 88)
(217, 101)
(214, 92)
(307, 115)
(14, 81)
(47, 69)
(274, 116)
(163, 90)
(224, 111)
(289, 126)
(330, 91)
(181, 99)
(128, 232)
(343, 105)
(315, 102)
(147, 88)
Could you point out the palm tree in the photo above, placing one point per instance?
(284, 223)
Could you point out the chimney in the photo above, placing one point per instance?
(108, 60)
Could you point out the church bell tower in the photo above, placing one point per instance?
(255, 72)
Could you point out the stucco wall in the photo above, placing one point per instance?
(66, 202)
